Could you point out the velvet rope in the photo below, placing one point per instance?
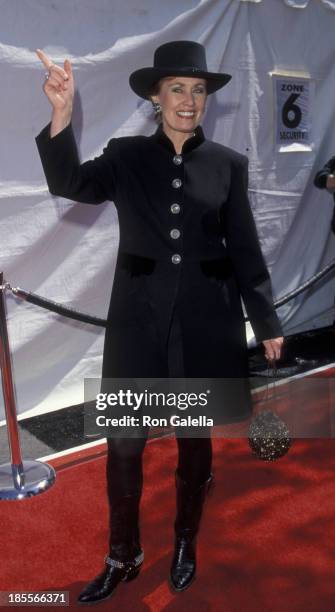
(71, 313)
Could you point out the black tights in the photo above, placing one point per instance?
(124, 463)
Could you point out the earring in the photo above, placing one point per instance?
(157, 108)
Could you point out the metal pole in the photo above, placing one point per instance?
(8, 391)
(18, 479)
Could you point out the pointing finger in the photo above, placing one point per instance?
(44, 58)
(50, 65)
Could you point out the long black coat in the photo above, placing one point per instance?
(320, 180)
(188, 250)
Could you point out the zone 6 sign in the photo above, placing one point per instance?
(293, 97)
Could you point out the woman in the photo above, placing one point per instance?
(188, 249)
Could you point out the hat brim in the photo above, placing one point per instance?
(142, 81)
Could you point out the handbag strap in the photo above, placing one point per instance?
(274, 375)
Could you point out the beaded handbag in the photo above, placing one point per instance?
(268, 436)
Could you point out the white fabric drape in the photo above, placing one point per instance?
(66, 251)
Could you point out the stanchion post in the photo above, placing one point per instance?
(8, 392)
(18, 479)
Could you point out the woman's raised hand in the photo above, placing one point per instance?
(59, 89)
(58, 85)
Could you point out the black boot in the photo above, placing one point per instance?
(190, 502)
(126, 556)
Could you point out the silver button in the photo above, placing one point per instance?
(176, 183)
(175, 209)
(175, 233)
(176, 258)
(177, 160)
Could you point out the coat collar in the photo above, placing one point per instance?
(191, 143)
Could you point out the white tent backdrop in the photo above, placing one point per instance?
(66, 251)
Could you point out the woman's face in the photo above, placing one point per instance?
(182, 100)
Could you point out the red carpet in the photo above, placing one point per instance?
(267, 541)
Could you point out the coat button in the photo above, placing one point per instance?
(175, 233)
(175, 209)
(177, 160)
(176, 258)
(176, 183)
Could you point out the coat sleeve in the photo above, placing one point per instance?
(246, 256)
(320, 179)
(92, 182)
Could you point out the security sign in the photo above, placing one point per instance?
(294, 98)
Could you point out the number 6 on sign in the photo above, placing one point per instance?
(291, 113)
(294, 98)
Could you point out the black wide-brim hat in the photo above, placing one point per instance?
(177, 58)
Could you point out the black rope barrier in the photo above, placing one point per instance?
(65, 311)
(71, 313)
(306, 285)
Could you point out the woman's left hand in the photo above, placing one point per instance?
(273, 348)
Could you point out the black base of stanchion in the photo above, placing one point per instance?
(27, 480)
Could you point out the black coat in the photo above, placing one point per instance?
(320, 180)
(188, 250)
